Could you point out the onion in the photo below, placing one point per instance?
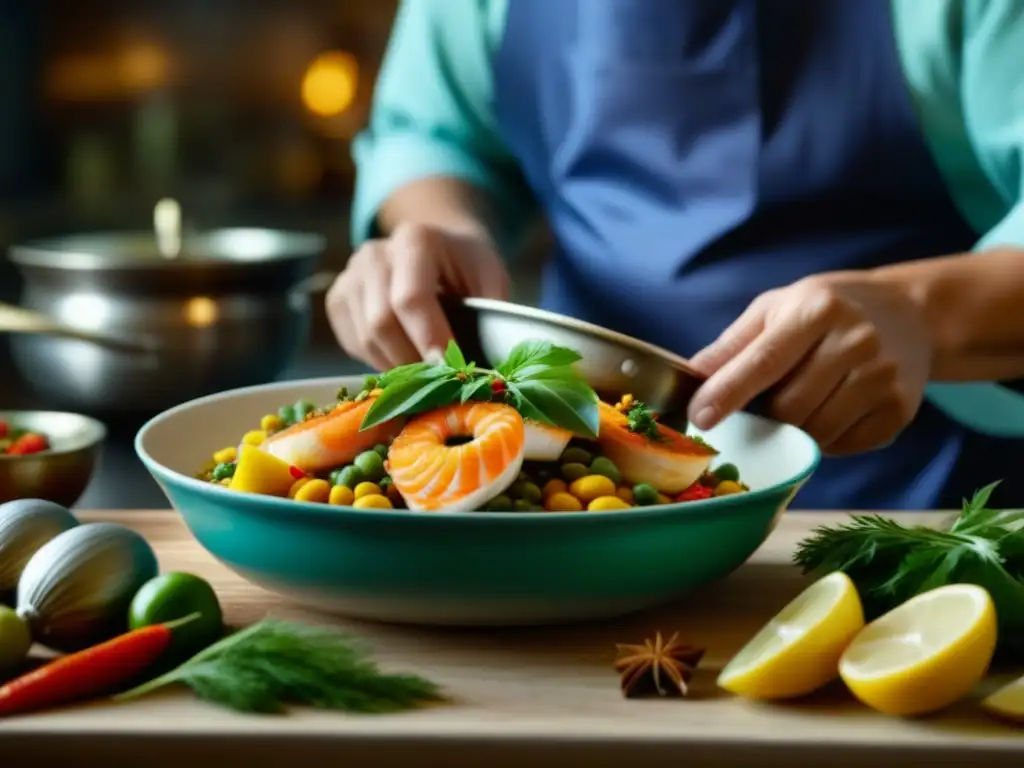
(25, 526)
(75, 591)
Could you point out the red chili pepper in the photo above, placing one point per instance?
(30, 442)
(90, 673)
(498, 387)
(4, 429)
(695, 492)
(297, 473)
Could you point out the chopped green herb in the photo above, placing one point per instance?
(641, 420)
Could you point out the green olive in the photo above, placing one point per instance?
(15, 640)
(574, 455)
(522, 505)
(526, 490)
(727, 472)
(172, 596)
(500, 503)
(371, 465)
(574, 471)
(645, 495)
(223, 471)
(606, 467)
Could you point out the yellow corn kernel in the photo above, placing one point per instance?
(367, 488)
(625, 403)
(663, 499)
(626, 494)
(606, 503)
(727, 488)
(590, 487)
(558, 485)
(372, 501)
(375, 392)
(341, 496)
(226, 482)
(226, 455)
(562, 502)
(315, 490)
(297, 486)
(271, 423)
(254, 437)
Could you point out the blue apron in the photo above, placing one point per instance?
(692, 154)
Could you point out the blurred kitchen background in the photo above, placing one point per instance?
(242, 111)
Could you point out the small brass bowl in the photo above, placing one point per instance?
(60, 474)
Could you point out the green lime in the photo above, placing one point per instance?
(172, 596)
(15, 640)
(371, 465)
(727, 472)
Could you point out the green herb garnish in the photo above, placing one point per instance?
(538, 379)
(642, 420)
(274, 663)
(890, 563)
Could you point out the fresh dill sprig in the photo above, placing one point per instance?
(274, 663)
(890, 562)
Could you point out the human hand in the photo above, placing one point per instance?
(848, 356)
(384, 307)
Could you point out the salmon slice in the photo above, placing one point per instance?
(671, 463)
(331, 440)
(434, 476)
(544, 442)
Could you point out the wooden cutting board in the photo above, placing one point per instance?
(524, 696)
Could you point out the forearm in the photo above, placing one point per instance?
(973, 305)
(441, 201)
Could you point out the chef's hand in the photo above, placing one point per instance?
(849, 356)
(384, 307)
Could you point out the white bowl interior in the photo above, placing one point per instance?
(183, 438)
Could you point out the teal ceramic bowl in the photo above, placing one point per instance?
(467, 568)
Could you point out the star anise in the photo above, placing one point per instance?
(657, 666)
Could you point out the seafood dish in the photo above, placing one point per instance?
(526, 436)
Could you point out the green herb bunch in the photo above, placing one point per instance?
(890, 563)
(537, 379)
(273, 664)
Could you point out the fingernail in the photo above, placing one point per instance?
(705, 418)
(434, 356)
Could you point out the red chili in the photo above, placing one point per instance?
(297, 473)
(695, 492)
(28, 443)
(498, 386)
(89, 673)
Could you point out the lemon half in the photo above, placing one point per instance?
(1007, 702)
(925, 654)
(798, 651)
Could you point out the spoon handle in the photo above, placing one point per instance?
(20, 320)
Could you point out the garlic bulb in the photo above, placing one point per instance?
(75, 591)
(25, 526)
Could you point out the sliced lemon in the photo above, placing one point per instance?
(925, 654)
(798, 651)
(1007, 702)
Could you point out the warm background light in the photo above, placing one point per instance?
(329, 85)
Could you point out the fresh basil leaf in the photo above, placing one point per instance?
(565, 404)
(453, 356)
(411, 396)
(564, 372)
(534, 352)
(402, 373)
(474, 387)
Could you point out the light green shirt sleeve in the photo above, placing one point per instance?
(432, 115)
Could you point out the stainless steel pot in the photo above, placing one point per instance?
(228, 311)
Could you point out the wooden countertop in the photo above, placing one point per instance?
(524, 697)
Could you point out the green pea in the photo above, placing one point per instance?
(223, 471)
(382, 450)
(385, 482)
(573, 455)
(302, 408)
(526, 490)
(371, 465)
(287, 414)
(645, 495)
(574, 471)
(727, 472)
(349, 476)
(522, 505)
(370, 382)
(500, 503)
(606, 467)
